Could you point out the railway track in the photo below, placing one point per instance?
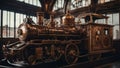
(59, 64)
(95, 63)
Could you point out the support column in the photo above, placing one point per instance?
(14, 25)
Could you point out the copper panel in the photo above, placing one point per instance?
(100, 37)
(39, 52)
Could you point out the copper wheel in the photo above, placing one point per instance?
(71, 53)
(32, 60)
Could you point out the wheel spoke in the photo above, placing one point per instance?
(71, 53)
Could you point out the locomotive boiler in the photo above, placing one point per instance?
(40, 43)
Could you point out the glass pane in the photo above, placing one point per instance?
(20, 0)
(116, 26)
(38, 3)
(58, 5)
(101, 21)
(5, 25)
(84, 3)
(32, 2)
(26, 1)
(107, 0)
(110, 19)
(8, 24)
(34, 20)
(18, 21)
(11, 24)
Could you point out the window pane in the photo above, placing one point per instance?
(8, 24)
(107, 0)
(110, 19)
(18, 21)
(116, 26)
(26, 1)
(20, 0)
(11, 24)
(38, 3)
(32, 2)
(58, 4)
(5, 25)
(34, 20)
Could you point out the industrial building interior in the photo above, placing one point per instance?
(49, 14)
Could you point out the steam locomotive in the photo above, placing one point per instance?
(39, 43)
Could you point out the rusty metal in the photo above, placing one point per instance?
(68, 20)
(43, 43)
(40, 18)
(52, 23)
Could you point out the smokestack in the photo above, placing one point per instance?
(40, 18)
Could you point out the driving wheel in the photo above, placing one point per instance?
(71, 53)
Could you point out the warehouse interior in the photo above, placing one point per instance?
(14, 12)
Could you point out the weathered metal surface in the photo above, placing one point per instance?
(41, 43)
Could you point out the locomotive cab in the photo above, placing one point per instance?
(92, 17)
(100, 35)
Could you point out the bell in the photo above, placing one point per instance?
(68, 19)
